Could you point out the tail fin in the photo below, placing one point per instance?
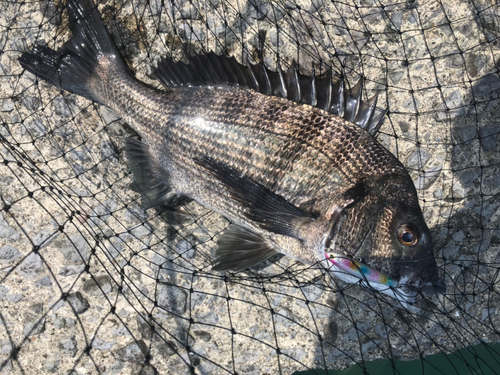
(72, 66)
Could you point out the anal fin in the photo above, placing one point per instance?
(150, 180)
(240, 248)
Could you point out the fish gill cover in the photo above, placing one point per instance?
(93, 284)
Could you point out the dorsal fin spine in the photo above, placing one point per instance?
(177, 76)
(324, 90)
(226, 66)
(353, 101)
(314, 98)
(236, 68)
(260, 72)
(292, 83)
(318, 91)
(282, 82)
(365, 113)
(338, 99)
(214, 61)
(186, 73)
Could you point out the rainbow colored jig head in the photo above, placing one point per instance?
(360, 270)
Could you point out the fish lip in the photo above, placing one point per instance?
(423, 284)
(434, 288)
(421, 273)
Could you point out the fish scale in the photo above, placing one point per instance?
(288, 126)
(292, 178)
(336, 146)
(304, 180)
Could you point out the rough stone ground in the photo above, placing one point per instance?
(90, 283)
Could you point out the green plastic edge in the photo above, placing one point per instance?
(478, 359)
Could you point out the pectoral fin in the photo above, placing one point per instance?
(240, 248)
(264, 207)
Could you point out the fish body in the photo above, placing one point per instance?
(293, 178)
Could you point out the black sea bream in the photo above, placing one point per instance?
(294, 178)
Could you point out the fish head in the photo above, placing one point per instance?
(412, 263)
(385, 229)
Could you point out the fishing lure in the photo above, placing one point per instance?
(361, 270)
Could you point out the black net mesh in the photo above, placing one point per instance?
(92, 284)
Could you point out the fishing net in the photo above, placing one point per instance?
(92, 284)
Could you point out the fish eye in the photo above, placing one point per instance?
(407, 235)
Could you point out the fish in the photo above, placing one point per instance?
(290, 159)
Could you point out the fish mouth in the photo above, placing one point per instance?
(424, 283)
(434, 288)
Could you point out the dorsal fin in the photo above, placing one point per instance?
(316, 90)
